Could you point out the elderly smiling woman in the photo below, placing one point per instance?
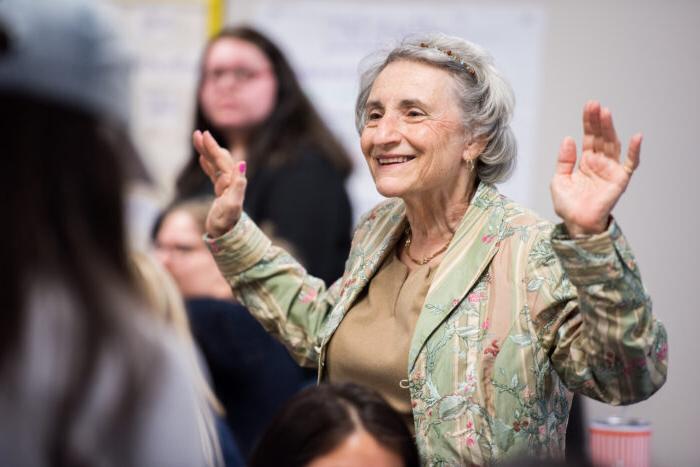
(471, 315)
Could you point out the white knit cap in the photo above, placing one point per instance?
(66, 51)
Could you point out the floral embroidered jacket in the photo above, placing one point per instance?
(517, 317)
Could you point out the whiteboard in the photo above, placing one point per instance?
(326, 41)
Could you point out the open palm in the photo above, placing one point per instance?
(584, 196)
(227, 174)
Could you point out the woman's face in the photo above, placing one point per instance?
(358, 450)
(239, 88)
(414, 140)
(181, 250)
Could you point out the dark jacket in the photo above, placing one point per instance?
(252, 373)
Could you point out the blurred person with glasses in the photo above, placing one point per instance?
(249, 98)
(252, 374)
(178, 244)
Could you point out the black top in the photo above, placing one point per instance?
(253, 375)
(306, 204)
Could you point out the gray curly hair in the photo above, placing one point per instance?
(485, 97)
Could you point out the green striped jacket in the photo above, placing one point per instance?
(516, 318)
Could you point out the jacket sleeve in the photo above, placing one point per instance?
(289, 303)
(593, 316)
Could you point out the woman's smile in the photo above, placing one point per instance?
(392, 160)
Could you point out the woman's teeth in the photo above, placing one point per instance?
(393, 160)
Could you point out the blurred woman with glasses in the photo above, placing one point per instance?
(252, 374)
(249, 98)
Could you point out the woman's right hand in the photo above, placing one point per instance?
(228, 177)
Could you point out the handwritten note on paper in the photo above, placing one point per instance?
(326, 41)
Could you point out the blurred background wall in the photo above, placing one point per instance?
(640, 58)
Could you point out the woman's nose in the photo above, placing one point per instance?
(388, 131)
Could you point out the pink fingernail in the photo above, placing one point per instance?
(241, 167)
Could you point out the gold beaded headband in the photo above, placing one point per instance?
(452, 56)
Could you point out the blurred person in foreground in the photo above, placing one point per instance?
(252, 374)
(474, 317)
(336, 425)
(249, 97)
(86, 378)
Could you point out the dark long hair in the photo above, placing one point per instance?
(293, 123)
(62, 179)
(320, 418)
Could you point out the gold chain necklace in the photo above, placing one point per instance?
(427, 259)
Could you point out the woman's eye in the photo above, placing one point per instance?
(374, 116)
(415, 113)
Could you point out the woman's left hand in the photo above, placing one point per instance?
(584, 196)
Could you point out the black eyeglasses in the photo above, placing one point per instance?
(239, 74)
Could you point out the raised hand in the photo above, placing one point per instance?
(584, 196)
(228, 177)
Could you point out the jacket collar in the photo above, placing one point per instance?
(473, 246)
(470, 251)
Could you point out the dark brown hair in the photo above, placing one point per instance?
(320, 418)
(293, 123)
